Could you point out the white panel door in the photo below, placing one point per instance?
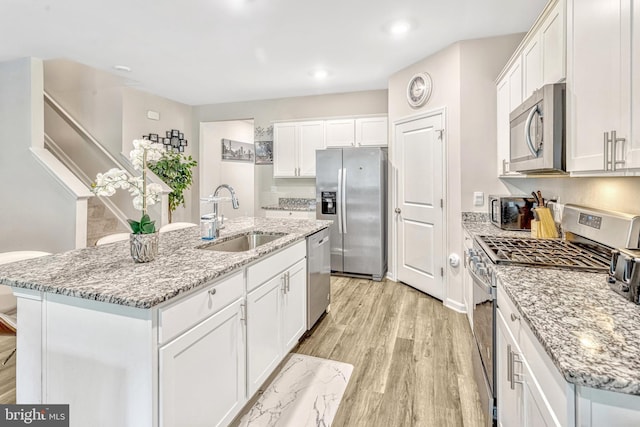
(294, 308)
(284, 150)
(598, 74)
(419, 192)
(263, 331)
(310, 139)
(204, 368)
(553, 40)
(372, 132)
(340, 133)
(532, 66)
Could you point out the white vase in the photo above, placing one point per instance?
(144, 247)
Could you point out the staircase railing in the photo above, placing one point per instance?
(115, 203)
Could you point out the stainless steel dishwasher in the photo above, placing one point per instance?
(318, 276)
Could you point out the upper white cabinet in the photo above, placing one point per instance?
(540, 59)
(360, 132)
(599, 86)
(509, 96)
(294, 148)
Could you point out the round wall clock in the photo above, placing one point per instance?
(419, 89)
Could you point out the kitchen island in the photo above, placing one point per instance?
(185, 339)
(573, 338)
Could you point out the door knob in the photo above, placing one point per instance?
(398, 210)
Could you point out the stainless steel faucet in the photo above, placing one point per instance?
(234, 201)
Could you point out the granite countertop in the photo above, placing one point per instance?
(293, 204)
(591, 334)
(107, 273)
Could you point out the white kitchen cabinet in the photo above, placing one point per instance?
(509, 96)
(340, 133)
(357, 132)
(294, 305)
(264, 331)
(598, 84)
(530, 390)
(540, 60)
(204, 368)
(372, 132)
(270, 213)
(294, 148)
(467, 280)
(276, 312)
(509, 386)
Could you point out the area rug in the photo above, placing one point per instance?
(306, 392)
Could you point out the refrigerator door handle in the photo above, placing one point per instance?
(344, 201)
(339, 201)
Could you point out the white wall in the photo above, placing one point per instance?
(215, 171)
(37, 213)
(173, 115)
(463, 81)
(264, 112)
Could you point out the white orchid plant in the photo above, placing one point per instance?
(144, 194)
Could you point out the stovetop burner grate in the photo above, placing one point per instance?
(546, 253)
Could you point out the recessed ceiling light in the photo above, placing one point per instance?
(122, 68)
(320, 74)
(399, 28)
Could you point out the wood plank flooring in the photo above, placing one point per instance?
(7, 372)
(411, 356)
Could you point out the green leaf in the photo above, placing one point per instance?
(135, 226)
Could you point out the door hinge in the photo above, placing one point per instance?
(440, 133)
(441, 272)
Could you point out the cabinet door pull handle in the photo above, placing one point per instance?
(288, 282)
(615, 140)
(243, 313)
(606, 151)
(212, 291)
(283, 278)
(509, 364)
(514, 317)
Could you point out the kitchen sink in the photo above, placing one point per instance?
(243, 242)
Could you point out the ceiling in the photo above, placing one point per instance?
(213, 51)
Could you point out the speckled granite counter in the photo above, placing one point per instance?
(293, 204)
(107, 273)
(591, 334)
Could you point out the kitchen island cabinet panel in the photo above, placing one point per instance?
(204, 368)
(294, 307)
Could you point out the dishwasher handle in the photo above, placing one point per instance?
(321, 242)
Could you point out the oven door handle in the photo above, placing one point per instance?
(488, 289)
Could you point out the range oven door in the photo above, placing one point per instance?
(484, 331)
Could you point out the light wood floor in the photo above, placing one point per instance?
(7, 372)
(411, 356)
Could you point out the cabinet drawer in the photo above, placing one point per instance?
(291, 214)
(510, 313)
(179, 317)
(264, 270)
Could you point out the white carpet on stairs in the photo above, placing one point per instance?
(306, 392)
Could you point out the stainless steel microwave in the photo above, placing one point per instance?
(537, 135)
(511, 212)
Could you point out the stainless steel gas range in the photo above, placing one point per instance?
(590, 238)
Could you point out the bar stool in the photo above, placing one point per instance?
(8, 302)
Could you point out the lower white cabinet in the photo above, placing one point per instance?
(276, 319)
(509, 391)
(263, 331)
(202, 372)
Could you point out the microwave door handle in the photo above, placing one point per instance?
(527, 131)
(493, 211)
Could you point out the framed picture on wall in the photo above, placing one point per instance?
(237, 151)
(264, 152)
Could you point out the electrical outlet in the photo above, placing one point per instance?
(478, 198)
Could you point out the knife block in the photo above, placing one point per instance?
(535, 229)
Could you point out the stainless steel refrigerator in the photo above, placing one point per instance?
(351, 190)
